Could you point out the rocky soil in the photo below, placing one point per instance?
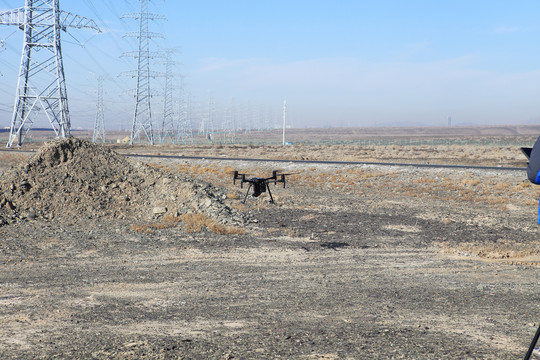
(75, 179)
(356, 262)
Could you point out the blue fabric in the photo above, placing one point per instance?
(537, 181)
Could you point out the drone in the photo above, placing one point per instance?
(260, 185)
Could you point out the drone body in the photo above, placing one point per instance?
(260, 185)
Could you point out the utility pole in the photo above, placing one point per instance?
(41, 84)
(99, 124)
(142, 118)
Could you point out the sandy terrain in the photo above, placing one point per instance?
(352, 262)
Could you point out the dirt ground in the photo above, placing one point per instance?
(352, 262)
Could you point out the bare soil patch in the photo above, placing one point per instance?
(351, 262)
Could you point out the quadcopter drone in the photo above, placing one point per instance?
(260, 185)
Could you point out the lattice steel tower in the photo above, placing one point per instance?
(185, 129)
(207, 119)
(41, 84)
(168, 124)
(229, 123)
(99, 124)
(142, 118)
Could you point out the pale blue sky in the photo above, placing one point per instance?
(338, 63)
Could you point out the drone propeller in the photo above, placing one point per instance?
(279, 172)
(238, 176)
(281, 179)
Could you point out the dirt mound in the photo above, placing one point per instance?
(74, 178)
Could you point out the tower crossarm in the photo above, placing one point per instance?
(67, 20)
(149, 34)
(137, 16)
(12, 17)
(151, 54)
(134, 73)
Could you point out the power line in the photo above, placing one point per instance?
(104, 24)
(8, 5)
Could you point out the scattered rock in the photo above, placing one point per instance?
(74, 178)
(159, 210)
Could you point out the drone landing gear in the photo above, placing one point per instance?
(270, 193)
(247, 192)
(533, 344)
(257, 190)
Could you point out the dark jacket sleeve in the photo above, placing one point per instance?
(534, 163)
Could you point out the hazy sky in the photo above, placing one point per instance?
(337, 63)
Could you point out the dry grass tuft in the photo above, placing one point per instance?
(501, 186)
(525, 185)
(215, 174)
(502, 250)
(160, 166)
(143, 229)
(470, 182)
(196, 222)
(425, 180)
(193, 223)
(233, 196)
(12, 159)
(168, 221)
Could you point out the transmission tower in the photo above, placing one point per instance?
(185, 129)
(229, 123)
(185, 124)
(99, 124)
(41, 83)
(168, 126)
(142, 118)
(209, 119)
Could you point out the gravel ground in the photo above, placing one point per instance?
(363, 262)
